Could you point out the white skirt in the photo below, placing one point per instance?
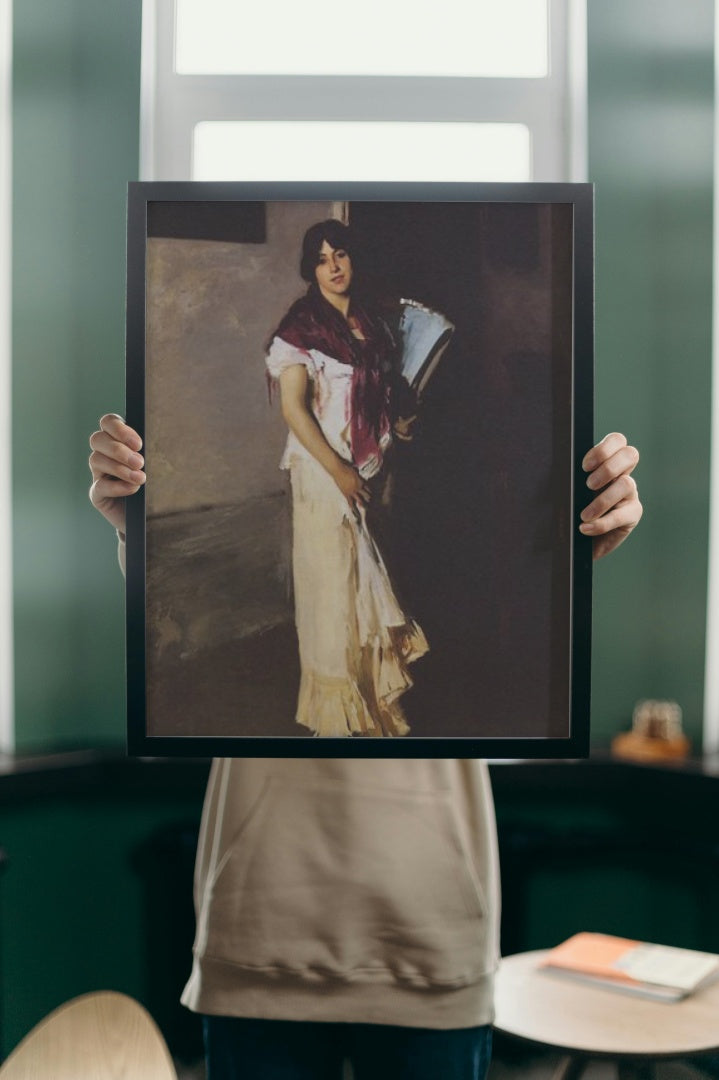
(355, 641)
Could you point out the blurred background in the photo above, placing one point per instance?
(617, 92)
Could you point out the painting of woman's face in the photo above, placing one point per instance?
(333, 271)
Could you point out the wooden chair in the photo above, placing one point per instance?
(99, 1036)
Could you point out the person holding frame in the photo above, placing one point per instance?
(349, 909)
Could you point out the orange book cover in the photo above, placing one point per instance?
(592, 954)
(663, 971)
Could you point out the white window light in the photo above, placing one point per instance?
(265, 150)
(465, 38)
(484, 65)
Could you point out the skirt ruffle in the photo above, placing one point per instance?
(367, 704)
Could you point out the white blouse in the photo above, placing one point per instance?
(331, 403)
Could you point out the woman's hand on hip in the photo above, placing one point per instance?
(616, 510)
(351, 484)
(116, 466)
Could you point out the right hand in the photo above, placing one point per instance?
(116, 466)
(403, 427)
(351, 484)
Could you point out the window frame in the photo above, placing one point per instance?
(552, 107)
(710, 726)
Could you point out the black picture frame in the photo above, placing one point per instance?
(492, 494)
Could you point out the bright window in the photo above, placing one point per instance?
(462, 38)
(471, 90)
(264, 150)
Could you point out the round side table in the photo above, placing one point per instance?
(588, 1022)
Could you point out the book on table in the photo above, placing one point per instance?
(660, 972)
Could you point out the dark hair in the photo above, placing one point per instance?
(337, 236)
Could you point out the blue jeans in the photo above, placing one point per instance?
(239, 1049)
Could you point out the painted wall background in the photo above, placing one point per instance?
(221, 386)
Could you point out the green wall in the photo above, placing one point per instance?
(75, 146)
(76, 897)
(76, 90)
(650, 156)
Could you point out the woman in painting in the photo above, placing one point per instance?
(334, 358)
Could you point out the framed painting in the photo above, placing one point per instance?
(364, 409)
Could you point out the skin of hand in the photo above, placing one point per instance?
(116, 465)
(294, 382)
(403, 427)
(615, 510)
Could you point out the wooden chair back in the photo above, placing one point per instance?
(99, 1036)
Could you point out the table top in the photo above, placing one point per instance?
(570, 1015)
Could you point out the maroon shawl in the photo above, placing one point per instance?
(313, 323)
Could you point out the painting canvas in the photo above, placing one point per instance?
(363, 410)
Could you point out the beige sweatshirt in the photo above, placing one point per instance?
(347, 890)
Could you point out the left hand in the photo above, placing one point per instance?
(616, 510)
(117, 468)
